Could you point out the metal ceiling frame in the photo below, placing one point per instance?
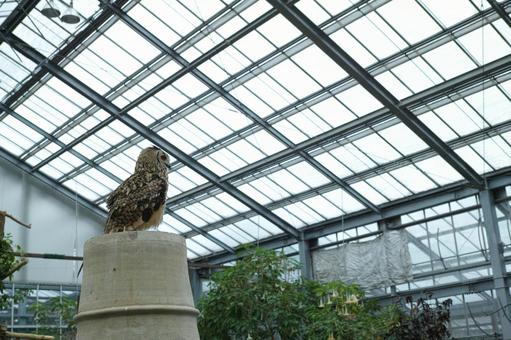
(441, 89)
(63, 53)
(501, 11)
(411, 159)
(389, 210)
(441, 37)
(236, 36)
(208, 94)
(137, 76)
(343, 59)
(419, 48)
(113, 110)
(17, 15)
(436, 40)
(238, 105)
(449, 89)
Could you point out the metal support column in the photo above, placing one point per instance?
(304, 248)
(196, 284)
(497, 260)
(385, 225)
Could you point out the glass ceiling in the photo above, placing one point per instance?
(260, 105)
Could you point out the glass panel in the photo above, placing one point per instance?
(409, 19)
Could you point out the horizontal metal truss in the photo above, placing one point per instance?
(447, 290)
(410, 159)
(400, 207)
(116, 112)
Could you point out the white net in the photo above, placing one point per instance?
(381, 262)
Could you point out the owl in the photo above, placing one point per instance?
(139, 202)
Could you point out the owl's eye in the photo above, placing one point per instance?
(163, 157)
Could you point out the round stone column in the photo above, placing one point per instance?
(136, 286)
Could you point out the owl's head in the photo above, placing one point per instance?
(153, 159)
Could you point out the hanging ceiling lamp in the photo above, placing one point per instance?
(50, 10)
(70, 15)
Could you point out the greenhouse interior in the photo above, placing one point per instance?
(255, 169)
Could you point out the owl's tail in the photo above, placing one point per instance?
(108, 225)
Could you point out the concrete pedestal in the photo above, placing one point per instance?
(136, 286)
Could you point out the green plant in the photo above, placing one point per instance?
(343, 313)
(422, 321)
(255, 297)
(7, 262)
(48, 313)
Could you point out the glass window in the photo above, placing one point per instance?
(450, 12)
(449, 60)
(318, 65)
(409, 19)
(485, 44)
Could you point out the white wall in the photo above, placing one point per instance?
(57, 226)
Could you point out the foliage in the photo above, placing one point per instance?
(342, 314)
(8, 261)
(7, 258)
(423, 321)
(256, 297)
(49, 312)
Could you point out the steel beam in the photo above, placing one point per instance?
(503, 202)
(410, 159)
(498, 263)
(501, 11)
(63, 53)
(153, 91)
(209, 95)
(343, 59)
(294, 46)
(450, 87)
(136, 126)
(144, 71)
(17, 15)
(238, 105)
(445, 290)
(304, 249)
(195, 284)
(397, 208)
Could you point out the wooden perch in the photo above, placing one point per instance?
(4, 214)
(15, 268)
(28, 336)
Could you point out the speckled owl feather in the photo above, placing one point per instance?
(139, 202)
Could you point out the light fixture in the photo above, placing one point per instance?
(50, 10)
(70, 15)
